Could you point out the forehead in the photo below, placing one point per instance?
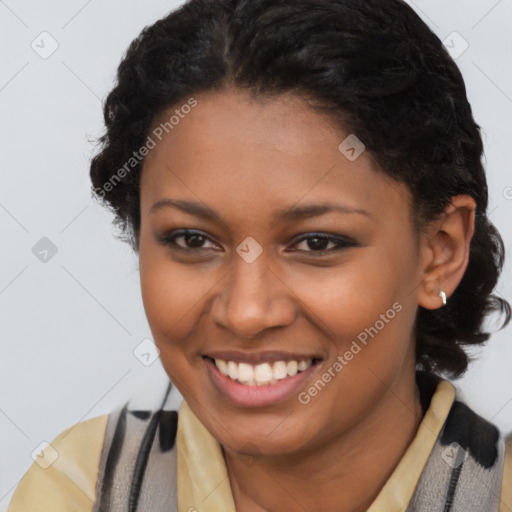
(231, 150)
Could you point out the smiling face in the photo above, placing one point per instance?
(269, 274)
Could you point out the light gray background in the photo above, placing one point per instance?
(70, 325)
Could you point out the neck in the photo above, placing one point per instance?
(345, 474)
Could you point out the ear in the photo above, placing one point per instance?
(444, 250)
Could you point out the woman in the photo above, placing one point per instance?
(302, 181)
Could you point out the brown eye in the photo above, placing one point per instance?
(319, 243)
(192, 240)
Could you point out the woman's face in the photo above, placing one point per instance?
(299, 252)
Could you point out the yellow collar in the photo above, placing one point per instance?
(203, 481)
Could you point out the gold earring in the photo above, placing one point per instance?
(443, 297)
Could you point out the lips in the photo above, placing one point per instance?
(258, 379)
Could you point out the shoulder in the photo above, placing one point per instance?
(120, 457)
(139, 460)
(486, 455)
(64, 475)
(506, 486)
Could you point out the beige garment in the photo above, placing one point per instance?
(68, 484)
(203, 484)
(506, 484)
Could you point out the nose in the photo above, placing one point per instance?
(253, 298)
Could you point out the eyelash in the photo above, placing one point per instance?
(169, 239)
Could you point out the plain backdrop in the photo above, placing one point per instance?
(70, 306)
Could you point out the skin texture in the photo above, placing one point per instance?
(245, 159)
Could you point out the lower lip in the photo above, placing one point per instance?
(257, 396)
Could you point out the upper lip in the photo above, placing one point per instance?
(259, 357)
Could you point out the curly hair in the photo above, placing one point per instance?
(375, 67)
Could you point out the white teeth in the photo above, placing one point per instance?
(261, 374)
(232, 370)
(279, 370)
(291, 368)
(303, 365)
(222, 366)
(245, 372)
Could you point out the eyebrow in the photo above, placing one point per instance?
(283, 215)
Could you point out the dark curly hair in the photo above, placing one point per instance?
(375, 68)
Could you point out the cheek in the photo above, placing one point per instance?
(169, 293)
(166, 302)
(366, 311)
(169, 303)
(346, 299)
(159, 292)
